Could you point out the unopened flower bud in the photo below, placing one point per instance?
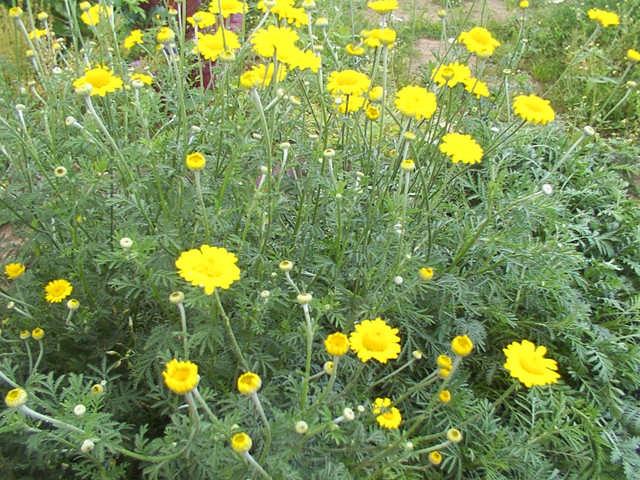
(589, 131)
(79, 410)
(348, 414)
(304, 298)
(328, 367)
(87, 446)
(176, 297)
(301, 427)
(73, 304)
(286, 265)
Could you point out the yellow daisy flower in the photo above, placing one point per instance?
(378, 37)
(476, 87)
(479, 40)
(633, 55)
(604, 17)
(416, 102)
(208, 267)
(142, 77)
(375, 339)
(386, 414)
(249, 383)
(203, 19)
(180, 377)
(461, 148)
(337, 344)
(134, 38)
(383, 6)
(95, 14)
(526, 362)
(212, 46)
(348, 82)
(57, 290)
(451, 74)
(14, 270)
(533, 109)
(101, 79)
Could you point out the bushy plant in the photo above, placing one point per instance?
(265, 249)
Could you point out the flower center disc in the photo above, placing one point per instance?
(375, 341)
(529, 364)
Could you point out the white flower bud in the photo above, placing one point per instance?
(79, 410)
(304, 298)
(547, 189)
(301, 427)
(87, 446)
(589, 131)
(70, 121)
(126, 242)
(408, 446)
(348, 414)
(417, 354)
(360, 408)
(264, 294)
(398, 280)
(56, 70)
(20, 107)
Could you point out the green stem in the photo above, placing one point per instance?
(227, 325)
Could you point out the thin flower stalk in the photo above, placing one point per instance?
(227, 324)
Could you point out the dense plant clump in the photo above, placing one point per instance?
(249, 242)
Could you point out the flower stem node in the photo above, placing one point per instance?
(304, 298)
(301, 427)
(16, 397)
(176, 297)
